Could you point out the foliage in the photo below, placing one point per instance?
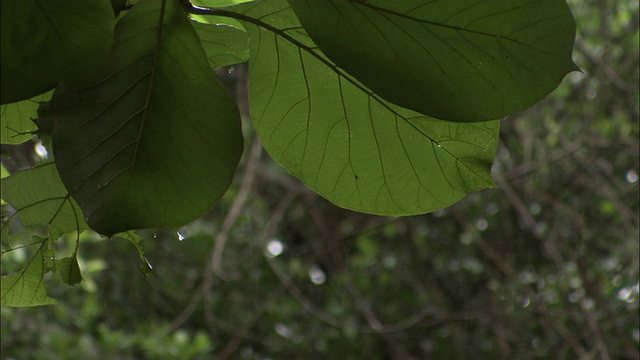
(545, 267)
(144, 136)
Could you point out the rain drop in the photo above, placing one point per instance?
(180, 236)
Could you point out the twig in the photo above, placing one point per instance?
(213, 267)
(234, 212)
(608, 72)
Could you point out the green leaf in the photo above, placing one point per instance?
(55, 40)
(68, 269)
(223, 43)
(135, 239)
(16, 124)
(39, 198)
(463, 60)
(345, 142)
(218, 3)
(3, 174)
(153, 142)
(27, 287)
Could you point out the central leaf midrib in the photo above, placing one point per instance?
(154, 65)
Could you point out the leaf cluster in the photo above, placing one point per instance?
(383, 108)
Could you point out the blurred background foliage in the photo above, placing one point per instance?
(545, 267)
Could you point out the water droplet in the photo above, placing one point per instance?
(180, 236)
(526, 302)
(631, 176)
(155, 236)
(274, 248)
(591, 94)
(231, 69)
(316, 275)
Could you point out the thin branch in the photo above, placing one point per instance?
(234, 212)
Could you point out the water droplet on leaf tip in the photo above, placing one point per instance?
(180, 236)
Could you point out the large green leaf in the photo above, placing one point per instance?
(16, 119)
(345, 142)
(54, 40)
(40, 198)
(460, 60)
(153, 142)
(27, 288)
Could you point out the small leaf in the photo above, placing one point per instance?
(27, 287)
(39, 197)
(16, 121)
(463, 60)
(68, 269)
(135, 239)
(154, 140)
